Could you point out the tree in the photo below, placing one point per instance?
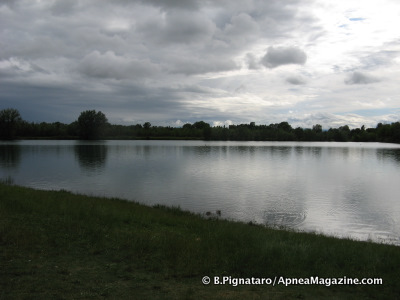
(285, 126)
(91, 124)
(201, 125)
(317, 128)
(205, 128)
(9, 120)
(147, 125)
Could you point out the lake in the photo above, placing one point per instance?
(340, 189)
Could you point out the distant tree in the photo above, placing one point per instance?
(147, 132)
(91, 124)
(205, 128)
(396, 132)
(9, 120)
(187, 126)
(317, 128)
(201, 125)
(298, 132)
(285, 126)
(72, 129)
(147, 125)
(207, 133)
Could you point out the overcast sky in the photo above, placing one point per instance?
(225, 62)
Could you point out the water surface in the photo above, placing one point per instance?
(342, 189)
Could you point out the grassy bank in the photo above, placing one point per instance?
(57, 245)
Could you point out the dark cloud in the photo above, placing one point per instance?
(296, 80)
(361, 78)
(110, 65)
(252, 61)
(63, 8)
(201, 65)
(240, 30)
(157, 60)
(173, 4)
(278, 56)
(175, 27)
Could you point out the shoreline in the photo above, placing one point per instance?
(60, 244)
(186, 139)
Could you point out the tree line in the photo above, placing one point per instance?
(91, 125)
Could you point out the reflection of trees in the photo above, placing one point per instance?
(10, 156)
(91, 156)
(392, 154)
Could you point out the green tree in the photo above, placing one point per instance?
(205, 128)
(9, 120)
(285, 126)
(147, 125)
(201, 125)
(317, 128)
(91, 124)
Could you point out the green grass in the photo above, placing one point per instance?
(58, 245)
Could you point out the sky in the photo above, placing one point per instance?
(173, 62)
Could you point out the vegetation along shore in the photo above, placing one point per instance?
(92, 125)
(59, 245)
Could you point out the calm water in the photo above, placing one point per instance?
(342, 189)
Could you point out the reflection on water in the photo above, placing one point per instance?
(10, 156)
(393, 154)
(343, 189)
(288, 214)
(91, 157)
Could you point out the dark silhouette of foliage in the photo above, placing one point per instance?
(91, 124)
(9, 121)
(94, 125)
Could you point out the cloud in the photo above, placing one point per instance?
(201, 65)
(328, 120)
(361, 78)
(177, 28)
(15, 67)
(173, 4)
(63, 8)
(280, 56)
(109, 65)
(252, 61)
(296, 80)
(241, 29)
(158, 60)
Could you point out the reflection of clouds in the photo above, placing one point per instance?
(365, 214)
(91, 157)
(10, 156)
